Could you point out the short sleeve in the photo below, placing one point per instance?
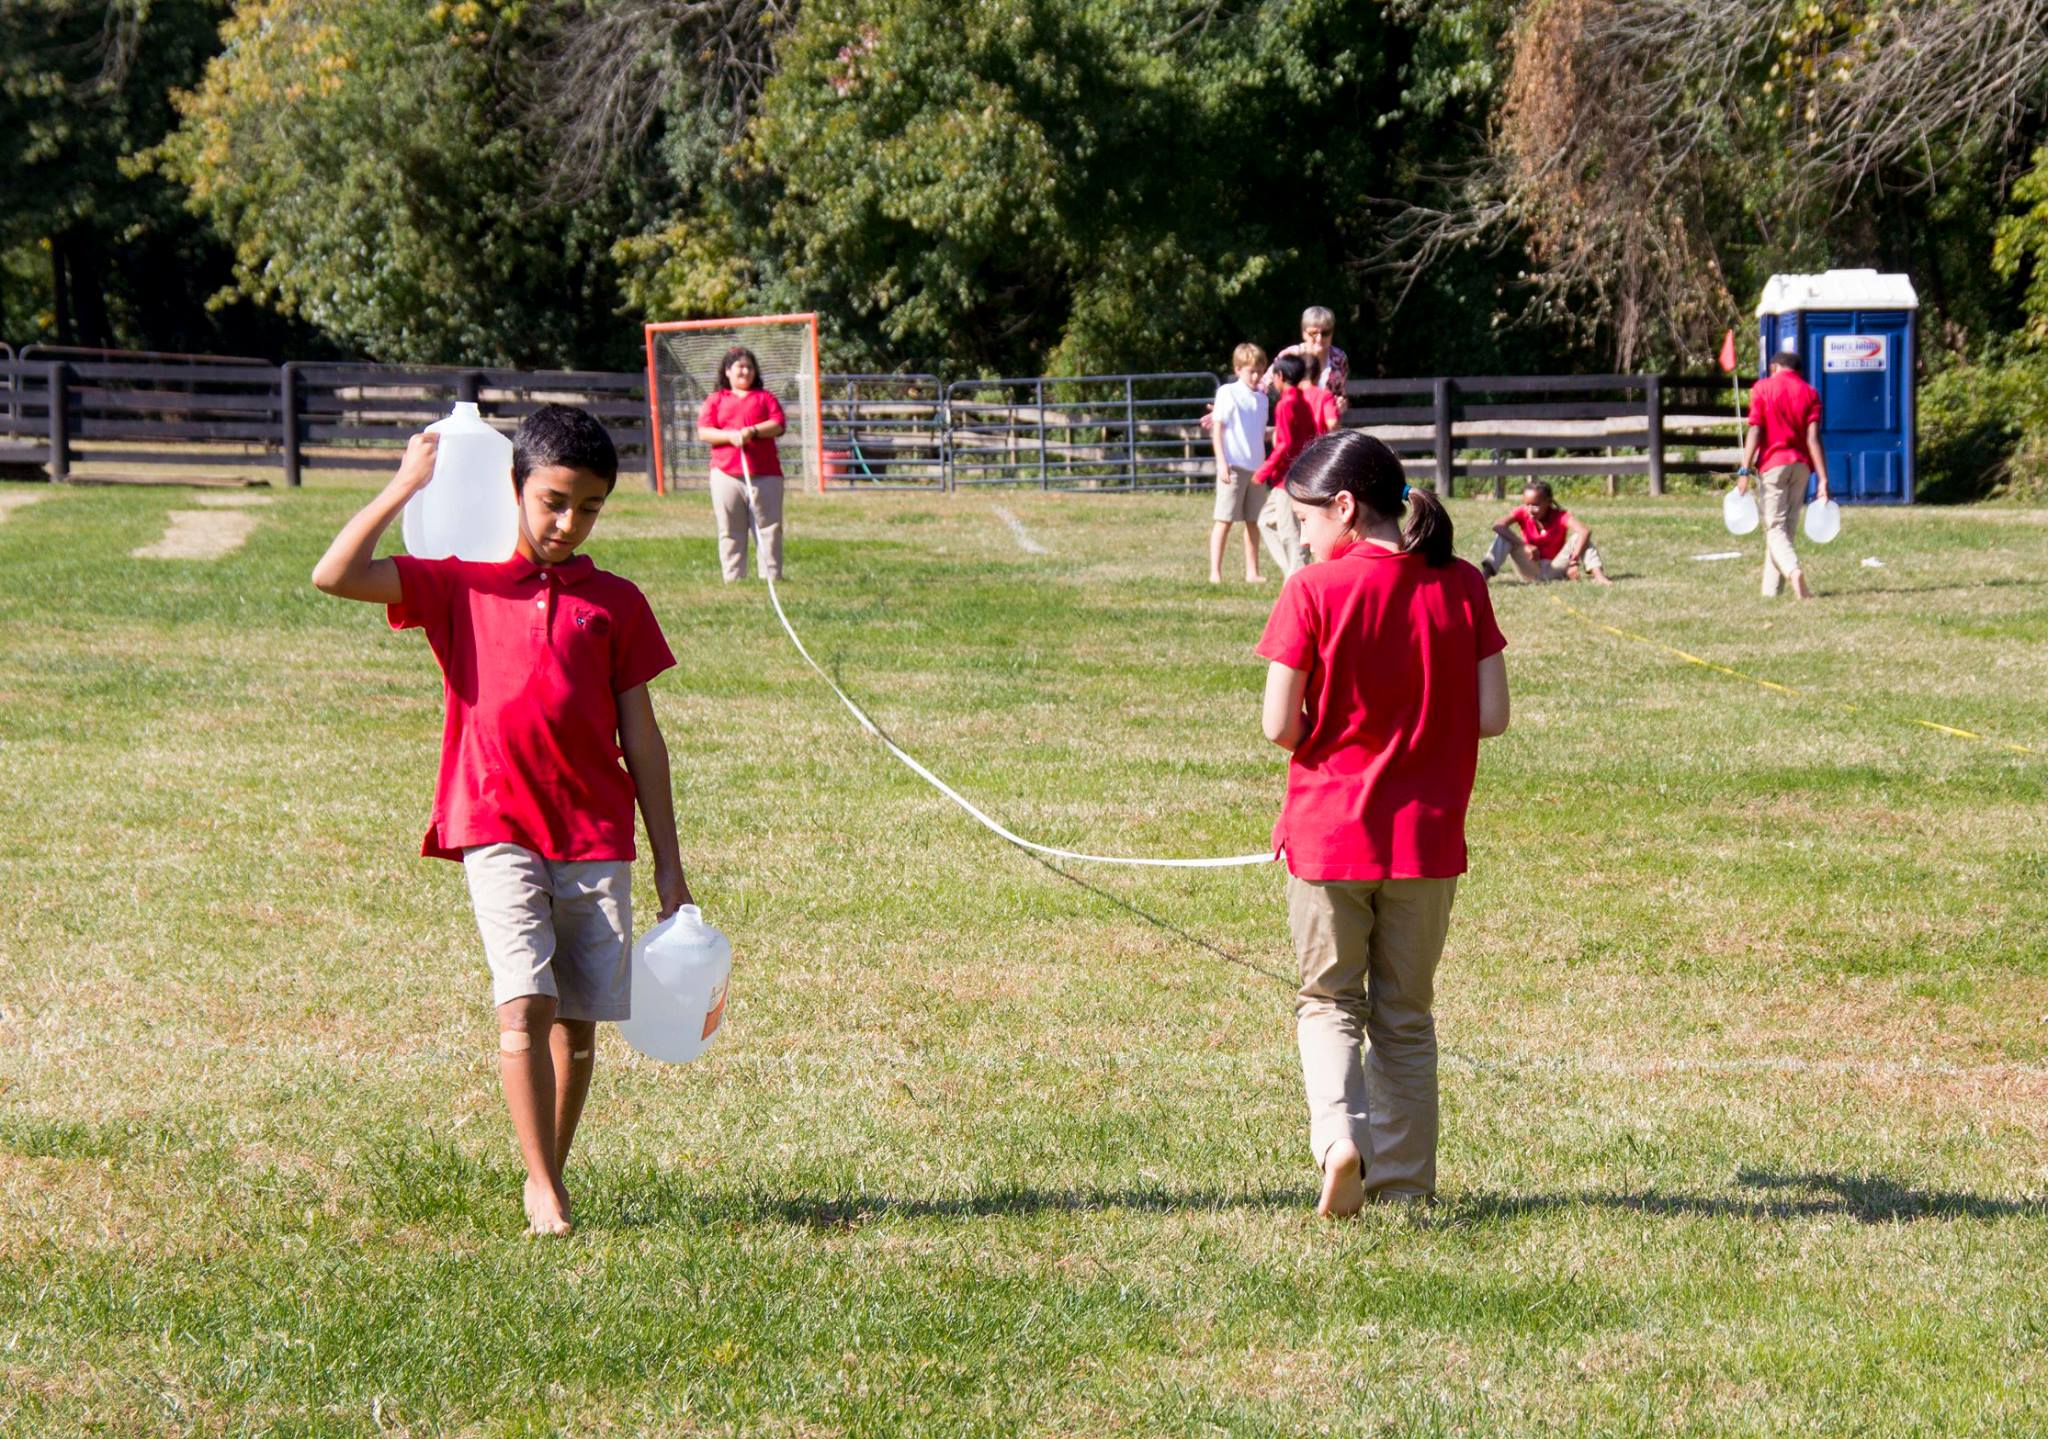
(1812, 415)
(1756, 405)
(428, 588)
(771, 409)
(1487, 640)
(707, 414)
(639, 649)
(1290, 638)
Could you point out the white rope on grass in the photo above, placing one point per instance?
(754, 520)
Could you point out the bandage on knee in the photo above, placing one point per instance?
(514, 1041)
(579, 1054)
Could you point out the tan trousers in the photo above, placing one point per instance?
(729, 507)
(1281, 531)
(1781, 492)
(1368, 952)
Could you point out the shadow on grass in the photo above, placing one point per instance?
(1865, 1198)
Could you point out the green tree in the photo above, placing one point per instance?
(1065, 185)
(370, 164)
(86, 248)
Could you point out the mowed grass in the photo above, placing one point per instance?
(1745, 1011)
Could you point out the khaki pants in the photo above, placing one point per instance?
(1368, 952)
(1281, 531)
(1781, 492)
(729, 507)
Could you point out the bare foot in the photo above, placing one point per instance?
(1343, 1182)
(1801, 587)
(1599, 577)
(1214, 578)
(1253, 577)
(547, 1209)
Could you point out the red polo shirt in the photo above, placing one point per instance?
(534, 658)
(1546, 541)
(735, 410)
(1782, 406)
(1294, 426)
(1378, 787)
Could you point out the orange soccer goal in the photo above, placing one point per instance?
(682, 368)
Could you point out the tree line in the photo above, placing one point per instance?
(1031, 186)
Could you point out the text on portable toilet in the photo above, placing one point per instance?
(1852, 352)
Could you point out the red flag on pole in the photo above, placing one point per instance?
(1728, 353)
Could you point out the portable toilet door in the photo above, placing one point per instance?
(1855, 334)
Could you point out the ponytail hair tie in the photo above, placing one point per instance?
(1406, 491)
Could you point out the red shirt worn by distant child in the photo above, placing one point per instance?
(1294, 425)
(735, 410)
(1545, 541)
(533, 658)
(1378, 786)
(1323, 405)
(1782, 406)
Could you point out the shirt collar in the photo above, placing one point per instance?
(1361, 549)
(572, 571)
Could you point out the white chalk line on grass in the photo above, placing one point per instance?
(1024, 541)
(910, 761)
(199, 535)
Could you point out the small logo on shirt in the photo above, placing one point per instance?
(591, 622)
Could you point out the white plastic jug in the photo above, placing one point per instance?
(680, 971)
(1739, 512)
(1823, 522)
(468, 509)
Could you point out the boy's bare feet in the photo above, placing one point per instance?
(1598, 577)
(547, 1209)
(1343, 1182)
(1253, 577)
(1215, 578)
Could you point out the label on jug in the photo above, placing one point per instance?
(717, 1014)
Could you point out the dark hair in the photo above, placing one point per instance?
(738, 352)
(1351, 462)
(1787, 360)
(1290, 368)
(1541, 487)
(563, 435)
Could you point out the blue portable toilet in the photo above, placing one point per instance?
(1855, 334)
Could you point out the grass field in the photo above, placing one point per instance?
(1745, 1010)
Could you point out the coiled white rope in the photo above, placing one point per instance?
(754, 521)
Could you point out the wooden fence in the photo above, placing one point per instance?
(120, 415)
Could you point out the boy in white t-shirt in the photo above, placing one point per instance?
(1239, 437)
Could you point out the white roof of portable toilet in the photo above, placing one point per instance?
(1837, 290)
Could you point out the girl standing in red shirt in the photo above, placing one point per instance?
(739, 417)
(1386, 671)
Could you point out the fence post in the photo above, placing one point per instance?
(288, 415)
(60, 421)
(1131, 430)
(1441, 397)
(1653, 412)
(1044, 482)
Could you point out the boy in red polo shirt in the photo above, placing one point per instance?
(1294, 426)
(1385, 672)
(546, 660)
(1782, 439)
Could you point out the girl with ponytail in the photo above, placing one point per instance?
(1385, 673)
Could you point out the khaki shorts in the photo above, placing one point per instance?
(562, 928)
(1238, 498)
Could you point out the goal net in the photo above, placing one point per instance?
(683, 367)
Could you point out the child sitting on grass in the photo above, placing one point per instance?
(546, 660)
